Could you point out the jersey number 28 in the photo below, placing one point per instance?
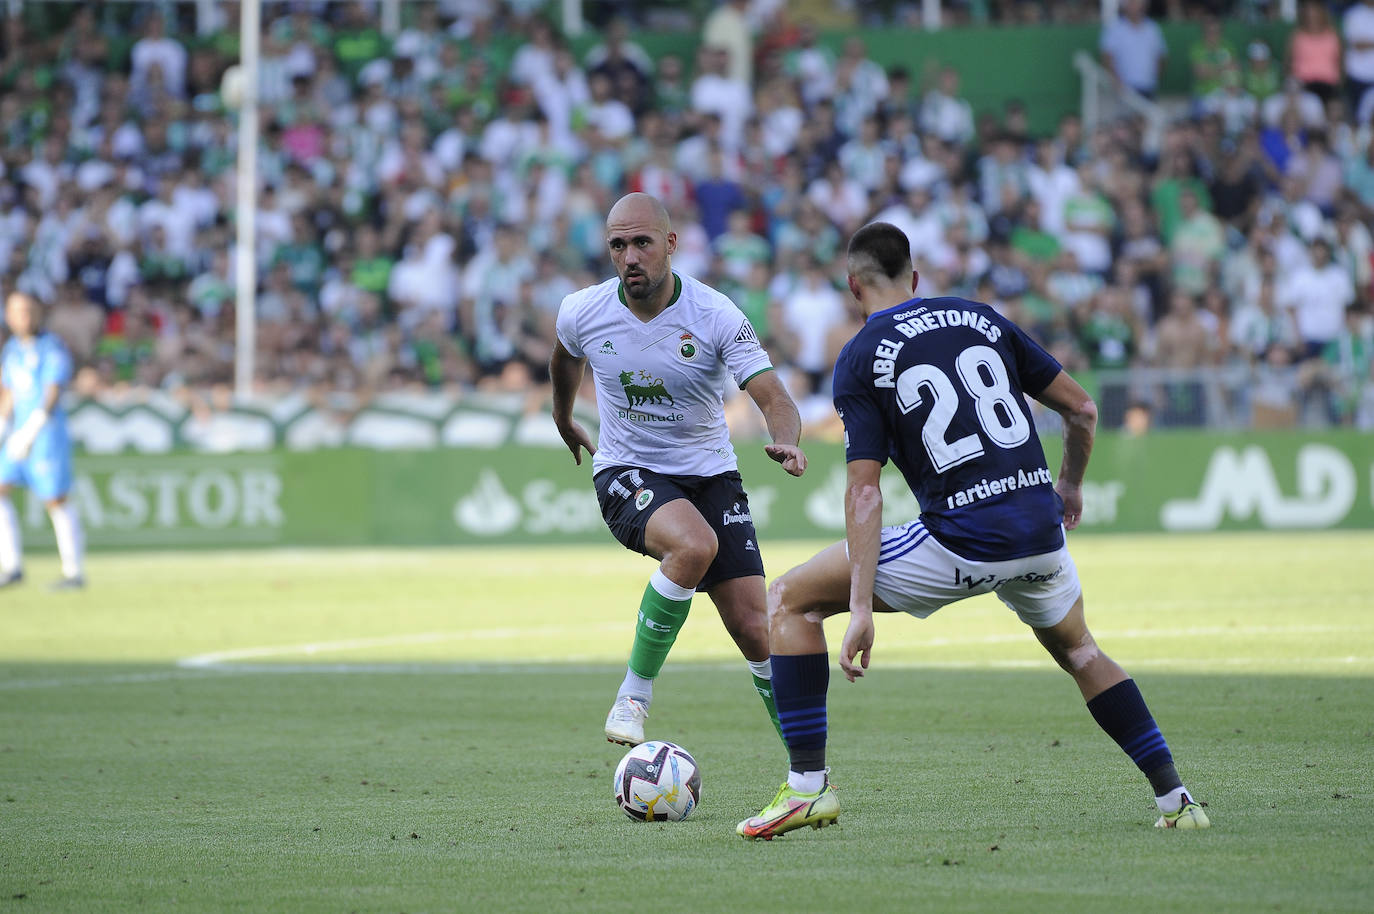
(1005, 427)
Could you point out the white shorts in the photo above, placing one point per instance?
(917, 575)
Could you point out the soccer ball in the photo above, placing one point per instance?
(658, 781)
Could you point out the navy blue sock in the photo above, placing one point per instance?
(1122, 713)
(799, 685)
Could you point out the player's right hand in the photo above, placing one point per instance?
(19, 444)
(575, 437)
(858, 641)
(792, 457)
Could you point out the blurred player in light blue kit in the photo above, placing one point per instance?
(36, 454)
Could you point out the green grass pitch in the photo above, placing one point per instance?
(421, 731)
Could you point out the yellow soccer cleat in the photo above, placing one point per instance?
(790, 810)
(1189, 815)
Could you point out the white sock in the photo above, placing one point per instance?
(1171, 801)
(762, 668)
(636, 687)
(806, 781)
(669, 588)
(71, 539)
(11, 543)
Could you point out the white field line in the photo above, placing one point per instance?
(533, 667)
(221, 659)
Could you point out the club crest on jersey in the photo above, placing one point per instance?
(644, 389)
(687, 348)
(642, 499)
(608, 348)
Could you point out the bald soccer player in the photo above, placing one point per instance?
(661, 347)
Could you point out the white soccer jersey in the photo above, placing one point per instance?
(660, 384)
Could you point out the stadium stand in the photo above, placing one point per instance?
(429, 196)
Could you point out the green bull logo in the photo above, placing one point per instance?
(648, 389)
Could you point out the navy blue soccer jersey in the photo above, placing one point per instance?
(938, 386)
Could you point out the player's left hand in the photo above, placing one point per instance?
(791, 457)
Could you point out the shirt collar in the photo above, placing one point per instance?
(909, 303)
(677, 292)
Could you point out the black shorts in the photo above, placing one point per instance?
(629, 496)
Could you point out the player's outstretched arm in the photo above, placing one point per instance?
(784, 421)
(863, 528)
(1067, 397)
(565, 370)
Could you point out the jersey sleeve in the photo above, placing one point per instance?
(566, 328)
(1034, 366)
(865, 435)
(56, 366)
(739, 346)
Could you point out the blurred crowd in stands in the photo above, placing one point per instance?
(428, 198)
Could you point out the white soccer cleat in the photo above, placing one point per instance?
(625, 723)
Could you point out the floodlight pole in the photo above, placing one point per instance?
(205, 17)
(246, 267)
(572, 18)
(930, 15)
(391, 18)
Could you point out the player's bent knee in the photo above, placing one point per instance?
(781, 601)
(704, 549)
(753, 633)
(697, 552)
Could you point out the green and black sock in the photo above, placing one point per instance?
(662, 611)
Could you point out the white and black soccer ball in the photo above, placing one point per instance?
(658, 782)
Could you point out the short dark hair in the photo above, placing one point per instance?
(879, 248)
